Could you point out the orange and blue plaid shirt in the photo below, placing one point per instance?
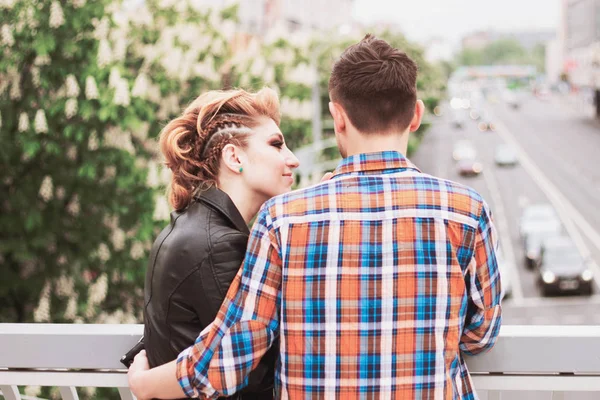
(377, 282)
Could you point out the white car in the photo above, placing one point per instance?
(464, 150)
(505, 156)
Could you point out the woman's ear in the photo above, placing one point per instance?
(233, 157)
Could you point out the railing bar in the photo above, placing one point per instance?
(10, 392)
(68, 393)
(126, 394)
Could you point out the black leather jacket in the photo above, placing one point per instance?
(191, 266)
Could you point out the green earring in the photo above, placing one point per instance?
(241, 169)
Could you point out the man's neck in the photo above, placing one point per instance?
(372, 143)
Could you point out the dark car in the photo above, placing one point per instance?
(469, 167)
(563, 269)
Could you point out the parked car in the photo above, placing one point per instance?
(563, 269)
(505, 156)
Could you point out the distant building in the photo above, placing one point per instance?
(581, 33)
(527, 39)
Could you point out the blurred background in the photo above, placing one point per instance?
(512, 90)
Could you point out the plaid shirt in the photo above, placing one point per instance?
(376, 282)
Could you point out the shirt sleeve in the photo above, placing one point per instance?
(484, 312)
(247, 324)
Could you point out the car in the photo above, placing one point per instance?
(463, 149)
(563, 269)
(538, 217)
(505, 267)
(485, 122)
(458, 119)
(538, 232)
(505, 156)
(469, 167)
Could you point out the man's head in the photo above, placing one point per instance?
(373, 90)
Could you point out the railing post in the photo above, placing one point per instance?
(558, 395)
(68, 393)
(494, 395)
(126, 394)
(10, 392)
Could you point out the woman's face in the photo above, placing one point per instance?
(269, 165)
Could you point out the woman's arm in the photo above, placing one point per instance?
(160, 382)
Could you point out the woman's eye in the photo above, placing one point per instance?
(279, 145)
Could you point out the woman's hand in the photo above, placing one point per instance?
(135, 374)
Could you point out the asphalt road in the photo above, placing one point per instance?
(558, 164)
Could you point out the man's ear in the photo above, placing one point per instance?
(339, 117)
(415, 123)
(233, 157)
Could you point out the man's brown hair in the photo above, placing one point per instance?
(376, 85)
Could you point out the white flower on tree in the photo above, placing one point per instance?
(152, 178)
(91, 89)
(42, 60)
(78, 3)
(42, 312)
(15, 88)
(161, 209)
(65, 286)
(102, 26)
(140, 86)
(114, 77)
(71, 153)
(35, 76)
(60, 192)
(23, 122)
(46, 189)
(104, 53)
(72, 86)
(71, 108)
(40, 124)
(57, 17)
(73, 207)
(7, 36)
(137, 251)
(71, 311)
(118, 239)
(98, 289)
(122, 93)
(103, 252)
(93, 142)
(7, 4)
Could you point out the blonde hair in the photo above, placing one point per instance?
(192, 142)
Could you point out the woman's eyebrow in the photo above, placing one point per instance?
(279, 136)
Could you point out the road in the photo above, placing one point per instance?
(558, 164)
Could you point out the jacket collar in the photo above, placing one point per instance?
(219, 200)
(373, 163)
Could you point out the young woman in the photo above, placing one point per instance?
(228, 157)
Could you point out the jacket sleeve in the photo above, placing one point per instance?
(215, 277)
(484, 313)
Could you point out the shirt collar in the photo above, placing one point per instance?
(372, 163)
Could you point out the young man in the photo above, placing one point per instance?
(376, 281)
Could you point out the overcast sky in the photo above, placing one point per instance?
(452, 19)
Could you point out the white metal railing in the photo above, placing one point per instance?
(553, 359)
